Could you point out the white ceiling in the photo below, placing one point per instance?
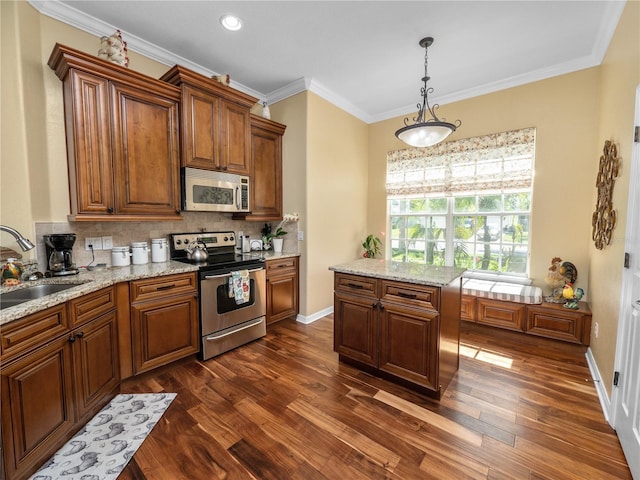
(362, 56)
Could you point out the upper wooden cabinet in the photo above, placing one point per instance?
(121, 126)
(215, 123)
(266, 174)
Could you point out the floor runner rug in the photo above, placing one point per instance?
(104, 446)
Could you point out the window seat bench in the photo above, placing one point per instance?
(522, 308)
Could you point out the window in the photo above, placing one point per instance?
(465, 203)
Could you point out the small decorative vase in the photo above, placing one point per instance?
(277, 244)
(266, 112)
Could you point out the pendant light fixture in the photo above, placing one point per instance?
(426, 132)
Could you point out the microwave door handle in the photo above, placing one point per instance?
(238, 196)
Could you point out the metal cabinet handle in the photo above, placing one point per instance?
(72, 339)
(166, 287)
(209, 277)
(374, 305)
(355, 285)
(412, 296)
(381, 307)
(218, 337)
(80, 334)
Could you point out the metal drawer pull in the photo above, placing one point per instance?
(209, 277)
(166, 287)
(355, 285)
(412, 296)
(218, 337)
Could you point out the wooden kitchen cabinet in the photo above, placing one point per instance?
(552, 320)
(266, 174)
(52, 387)
(164, 320)
(405, 331)
(122, 131)
(215, 124)
(283, 292)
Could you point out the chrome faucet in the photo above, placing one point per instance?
(25, 243)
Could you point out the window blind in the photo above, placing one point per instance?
(490, 163)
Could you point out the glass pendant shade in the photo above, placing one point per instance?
(426, 132)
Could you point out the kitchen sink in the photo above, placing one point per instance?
(34, 292)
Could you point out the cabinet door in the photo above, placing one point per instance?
(96, 363)
(355, 330)
(37, 406)
(282, 297)
(163, 331)
(88, 143)
(266, 193)
(235, 156)
(200, 129)
(146, 162)
(409, 344)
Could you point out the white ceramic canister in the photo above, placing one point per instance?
(159, 248)
(140, 253)
(120, 256)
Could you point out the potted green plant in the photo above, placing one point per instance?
(371, 246)
(276, 239)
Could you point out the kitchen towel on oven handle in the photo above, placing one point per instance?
(239, 286)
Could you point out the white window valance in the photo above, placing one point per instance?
(490, 163)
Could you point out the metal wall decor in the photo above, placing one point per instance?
(604, 216)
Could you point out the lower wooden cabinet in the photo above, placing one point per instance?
(50, 389)
(282, 288)
(549, 320)
(164, 320)
(406, 331)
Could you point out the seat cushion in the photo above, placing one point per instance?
(510, 292)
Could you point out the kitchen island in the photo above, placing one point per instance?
(400, 321)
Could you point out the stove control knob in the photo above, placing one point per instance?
(178, 241)
(226, 239)
(231, 238)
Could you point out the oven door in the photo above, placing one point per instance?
(218, 307)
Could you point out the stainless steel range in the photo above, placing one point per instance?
(232, 290)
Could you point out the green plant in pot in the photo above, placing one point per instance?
(371, 246)
(275, 238)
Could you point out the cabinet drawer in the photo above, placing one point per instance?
(411, 294)
(33, 330)
(284, 265)
(91, 306)
(468, 308)
(501, 314)
(356, 284)
(159, 287)
(567, 325)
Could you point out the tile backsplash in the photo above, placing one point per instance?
(124, 233)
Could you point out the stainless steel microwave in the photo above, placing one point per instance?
(209, 191)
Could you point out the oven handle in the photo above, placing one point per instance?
(218, 337)
(209, 277)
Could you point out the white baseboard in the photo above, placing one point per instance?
(605, 402)
(316, 316)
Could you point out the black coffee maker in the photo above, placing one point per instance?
(59, 254)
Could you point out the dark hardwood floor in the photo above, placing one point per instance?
(283, 407)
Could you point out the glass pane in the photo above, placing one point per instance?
(514, 259)
(464, 227)
(488, 228)
(437, 205)
(464, 204)
(398, 227)
(417, 205)
(463, 254)
(397, 206)
(517, 202)
(490, 203)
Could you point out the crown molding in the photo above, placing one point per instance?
(71, 16)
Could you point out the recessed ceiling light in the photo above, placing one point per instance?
(231, 22)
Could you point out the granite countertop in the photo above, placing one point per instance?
(401, 271)
(90, 281)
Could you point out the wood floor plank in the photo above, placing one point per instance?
(283, 407)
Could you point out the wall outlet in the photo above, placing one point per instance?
(95, 242)
(595, 330)
(300, 235)
(107, 243)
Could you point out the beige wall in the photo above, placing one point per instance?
(620, 75)
(564, 113)
(337, 165)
